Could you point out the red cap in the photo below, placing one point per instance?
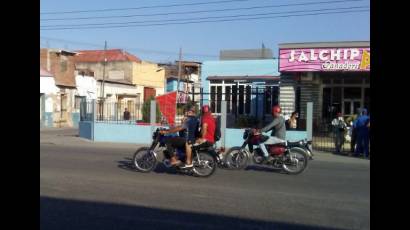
(276, 109)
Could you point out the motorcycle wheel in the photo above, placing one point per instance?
(205, 166)
(296, 161)
(144, 160)
(237, 158)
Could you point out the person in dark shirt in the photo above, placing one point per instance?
(187, 137)
(126, 114)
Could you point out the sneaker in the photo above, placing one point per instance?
(187, 166)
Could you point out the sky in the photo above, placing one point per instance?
(200, 41)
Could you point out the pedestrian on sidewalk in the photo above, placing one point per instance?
(126, 114)
(353, 133)
(363, 127)
(339, 128)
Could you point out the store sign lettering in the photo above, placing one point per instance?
(332, 59)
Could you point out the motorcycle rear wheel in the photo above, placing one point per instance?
(205, 166)
(296, 161)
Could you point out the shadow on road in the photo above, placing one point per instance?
(126, 164)
(262, 168)
(62, 214)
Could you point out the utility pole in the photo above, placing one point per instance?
(103, 81)
(179, 68)
(103, 84)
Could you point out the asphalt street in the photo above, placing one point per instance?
(87, 185)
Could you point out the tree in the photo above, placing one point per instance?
(146, 109)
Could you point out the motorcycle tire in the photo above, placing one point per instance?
(206, 166)
(304, 157)
(149, 161)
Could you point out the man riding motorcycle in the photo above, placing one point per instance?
(188, 130)
(278, 134)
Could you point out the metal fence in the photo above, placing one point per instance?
(324, 138)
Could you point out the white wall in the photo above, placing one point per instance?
(86, 87)
(116, 89)
(48, 85)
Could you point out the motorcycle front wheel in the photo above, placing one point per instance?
(295, 161)
(144, 160)
(204, 164)
(237, 158)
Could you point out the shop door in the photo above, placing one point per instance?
(351, 106)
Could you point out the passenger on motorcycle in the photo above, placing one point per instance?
(206, 135)
(278, 127)
(187, 137)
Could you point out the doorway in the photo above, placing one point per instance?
(351, 106)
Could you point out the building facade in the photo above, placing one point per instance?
(60, 63)
(138, 79)
(250, 87)
(334, 75)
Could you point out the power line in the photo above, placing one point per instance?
(197, 22)
(140, 50)
(202, 18)
(143, 7)
(202, 11)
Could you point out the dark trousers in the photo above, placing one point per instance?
(353, 141)
(174, 143)
(363, 143)
(339, 141)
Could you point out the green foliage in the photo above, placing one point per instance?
(146, 111)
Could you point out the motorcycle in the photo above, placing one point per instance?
(204, 158)
(288, 156)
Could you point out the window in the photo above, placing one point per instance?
(228, 98)
(352, 93)
(77, 102)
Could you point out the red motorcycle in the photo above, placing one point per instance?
(284, 156)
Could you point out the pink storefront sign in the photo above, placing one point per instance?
(324, 59)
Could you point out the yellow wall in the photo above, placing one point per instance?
(145, 73)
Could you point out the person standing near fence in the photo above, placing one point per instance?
(362, 127)
(339, 127)
(126, 114)
(353, 132)
(293, 122)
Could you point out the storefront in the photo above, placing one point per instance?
(335, 76)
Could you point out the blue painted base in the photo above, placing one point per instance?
(76, 119)
(141, 134)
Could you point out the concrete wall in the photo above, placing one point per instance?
(236, 68)
(147, 74)
(139, 134)
(119, 70)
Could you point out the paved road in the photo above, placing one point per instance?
(86, 185)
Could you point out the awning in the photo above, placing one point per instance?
(245, 77)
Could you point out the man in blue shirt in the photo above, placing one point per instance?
(362, 129)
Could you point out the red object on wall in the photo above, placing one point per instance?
(167, 106)
(148, 93)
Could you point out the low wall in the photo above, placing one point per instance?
(76, 119)
(142, 134)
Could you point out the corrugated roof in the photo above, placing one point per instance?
(111, 55)
(45, 73)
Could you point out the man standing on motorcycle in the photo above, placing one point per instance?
(188, 130)
(278, 127)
